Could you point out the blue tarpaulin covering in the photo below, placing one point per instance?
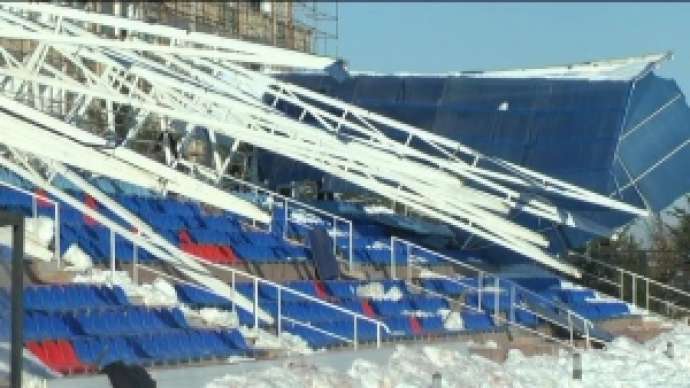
(624, 137)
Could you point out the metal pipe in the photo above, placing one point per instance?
(285, 221)
(355, 339)
(570, 327)
(112, 255)
(351, 246)
(378, 336)
(480, 286)
(135, 262)
(393, 258)
(234, 290)
(497, 298)
(256, 303)
(279, 322)
(56, 238)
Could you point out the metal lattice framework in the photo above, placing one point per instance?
(199, 80)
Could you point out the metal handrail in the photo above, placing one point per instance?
(635, 277)
(281, 288)
(587, 323)
(633, 274)
(507, 321)
(284, 318)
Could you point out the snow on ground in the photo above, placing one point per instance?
(624, 364)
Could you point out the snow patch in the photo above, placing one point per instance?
(76, 259)
(377, 291)
(452, 320)
(265, 340)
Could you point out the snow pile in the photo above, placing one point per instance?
(76, 259)
(452, 320)
(379, 245)
(376, 291)
(221, 318)
(377, 209)
(160, 293)
(624, 364)
(39, 235)
(39, 230)
(265, 340)
(302, 217)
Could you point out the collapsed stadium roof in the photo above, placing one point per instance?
(197, 80)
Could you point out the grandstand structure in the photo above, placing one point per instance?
(131, 249)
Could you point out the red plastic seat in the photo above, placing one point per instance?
(72, 362)
(217, 254)
(416, 326)
(91, 203)
(367, 309)
(321, 290)
(184, 237)
(37, 350)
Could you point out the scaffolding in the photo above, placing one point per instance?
(309, 27)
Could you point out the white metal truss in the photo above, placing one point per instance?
(198, 80)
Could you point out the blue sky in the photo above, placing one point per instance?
(438, 37)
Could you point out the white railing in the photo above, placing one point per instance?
(287, 202)
(621, 278)
(482, 276)
(498, 318)
(279, 318)
(35, 198)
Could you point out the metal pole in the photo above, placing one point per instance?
(285, 221)
(409, 265)
(570, 327)
(497, 298)
(279, 324)
(232, 284)
(135, 262)
(56, 239)
(256, 303)
(17, 301)
(351, 247)
(393, 257)
(512, 304)
(112, 254)
(621, 285)
(480, 286)
(378, 336)
(270, 208)
(355, 332)
(647, 294)
(634, 290)
(335, 237)
(587, 324)
(34, 206)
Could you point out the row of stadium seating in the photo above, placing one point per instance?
(87, 353)
(75, 327)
